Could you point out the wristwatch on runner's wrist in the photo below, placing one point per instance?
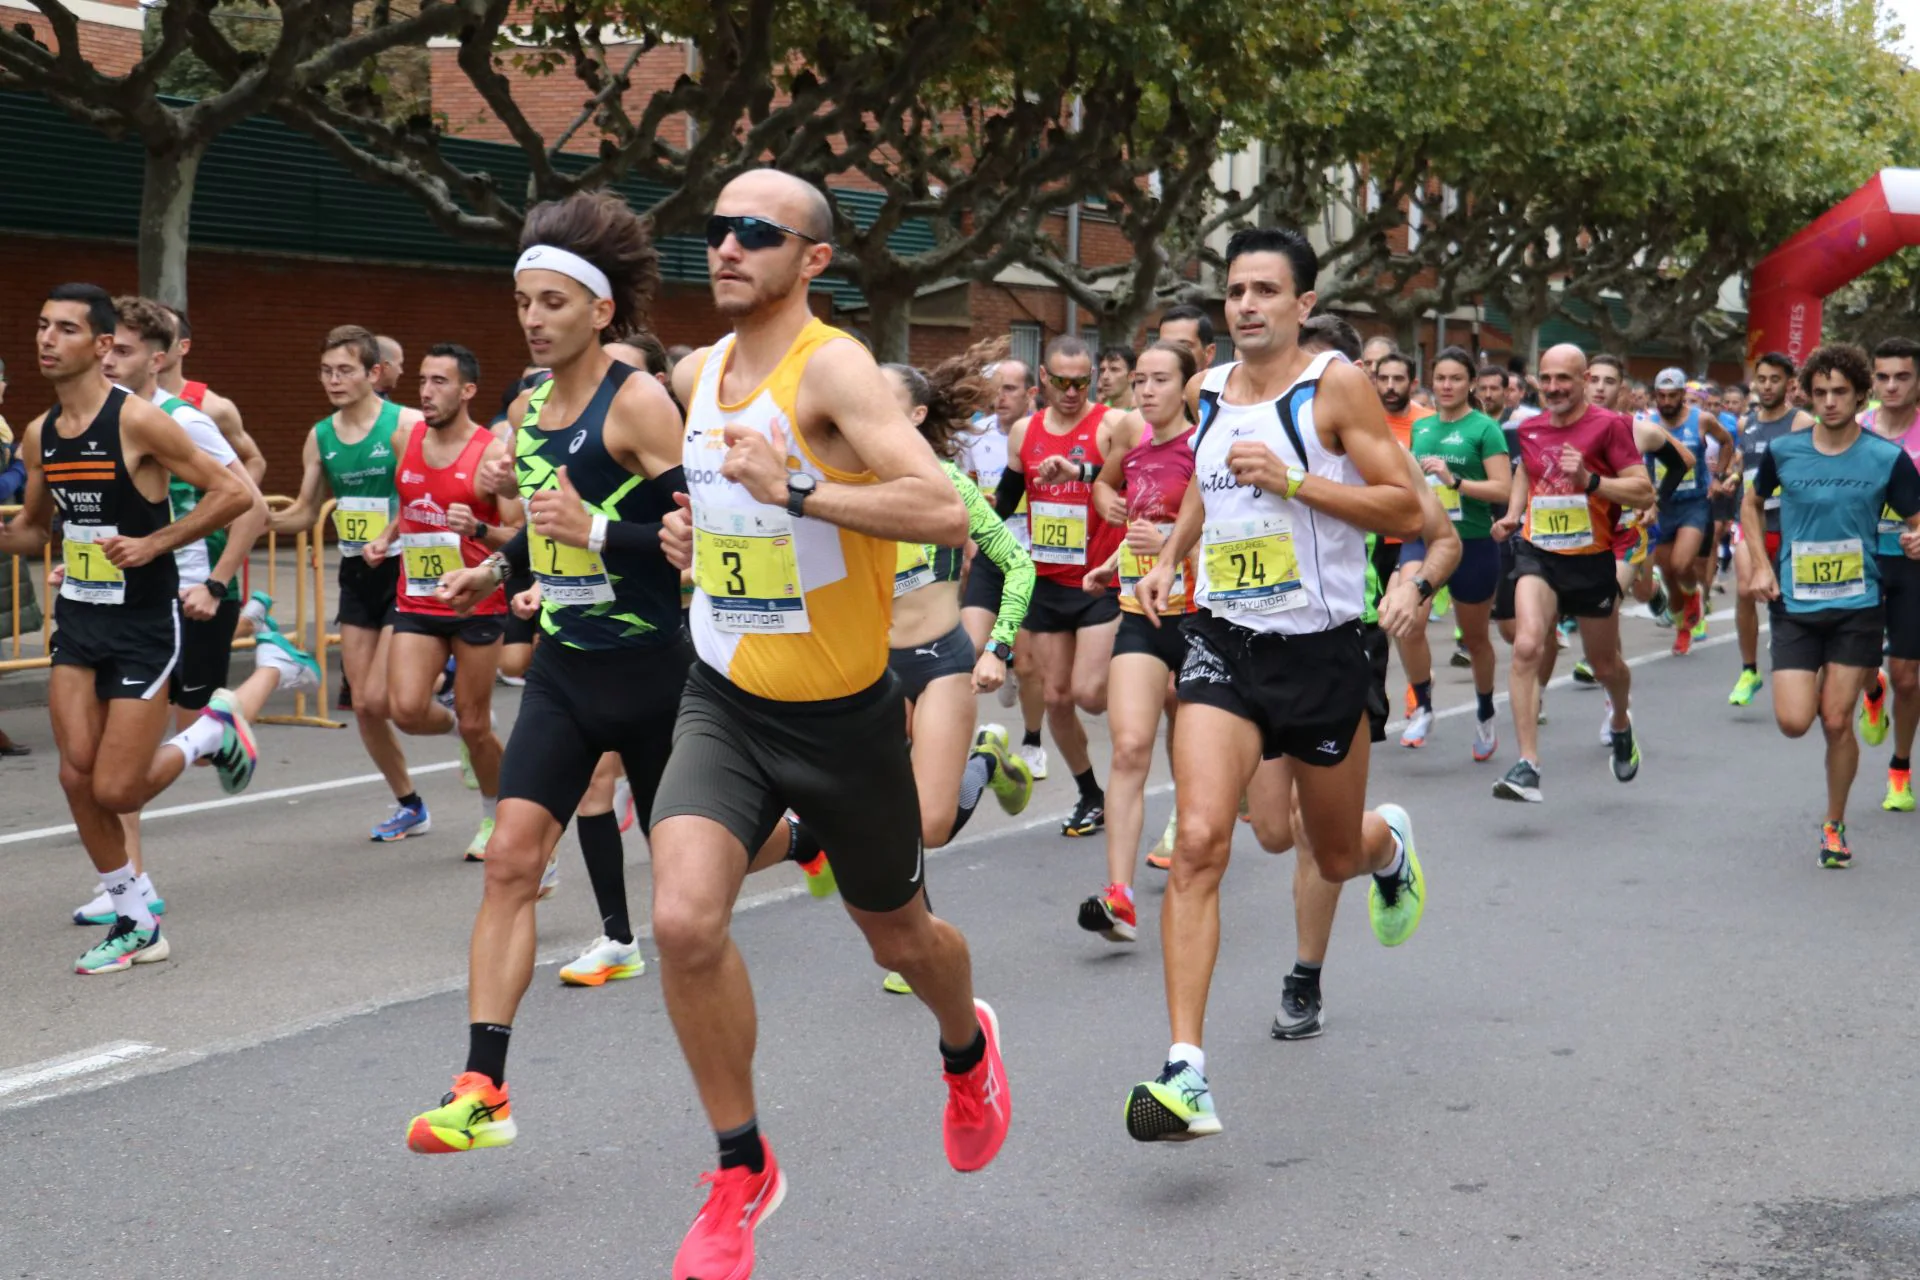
(800, 487)
(1424, 587)
(1000, 650)
(218, 590)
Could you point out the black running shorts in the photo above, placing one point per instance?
(985, 582)
(920, 665)
(1165, 642)
(476, 629)
(1378, 646)
(1587, 585)
(1503, 583)
(1843, 637)
(1900, 596)
(367, 592)
(1305, 693)
(841, 765)
(1058, 607)
(206, 655)
(131, 652)
(581, 703)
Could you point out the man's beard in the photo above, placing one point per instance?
(1395, 404)
(436, 424)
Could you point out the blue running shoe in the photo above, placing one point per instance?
(407, 820)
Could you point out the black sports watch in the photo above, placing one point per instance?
(1593, 482)
(480, 530)
(1000, 650)
(1424, 587)
(800, 487)
(218, 590)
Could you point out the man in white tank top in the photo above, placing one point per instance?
(1293, 462)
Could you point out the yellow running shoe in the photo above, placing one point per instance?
(1873, 713)
(1744, 688)
(476, 1114)
(477, 847)
(1396, 913)
(1899, 791)
(896, 984)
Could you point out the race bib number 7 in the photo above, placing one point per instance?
(91, 578)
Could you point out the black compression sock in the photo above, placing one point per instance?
(1307, 973)
(1423, 695)
(1901, 763)
(973, 785)
(1031, 738)
(411, 800)
(1751, 668)
(961, 1061)
(804, 847)
(606, 858)
(742, 1148)
(1485, 707)
(487, 1050)
(1089, 789)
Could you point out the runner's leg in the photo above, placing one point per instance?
(943, 722)
(414, 666)
(1839, 696)
(363, 659)
(1535, 609)
(1136, 690)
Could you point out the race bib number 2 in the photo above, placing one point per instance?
(568, 575)
(745, 561)
(91, 578)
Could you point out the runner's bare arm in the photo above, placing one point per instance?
(28, 531)
(244, 531)
(147, 431)
(643, 428)
(1109, 485)
(299, 517)
(1348, 409)
(226, 416)
(912, 501)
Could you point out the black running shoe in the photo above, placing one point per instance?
(1087, 817)
(1626, 755)
(1521, 783)
(1299, 1016)
(1461, 658)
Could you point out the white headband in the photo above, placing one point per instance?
(547, 257)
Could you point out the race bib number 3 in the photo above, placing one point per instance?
(1059, 532)
(1251, 566)
(568, 575)
(1560, 522)
(744, 560)
(91, 578)
(428, 557)
(358, 521)
(1827, 571)
(911, 571)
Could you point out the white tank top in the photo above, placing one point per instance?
(1268, 563)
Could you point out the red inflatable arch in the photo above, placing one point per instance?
(1791, 284)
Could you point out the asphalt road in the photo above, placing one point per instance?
(1640, 1034)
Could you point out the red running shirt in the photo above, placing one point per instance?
(1068, 538)
(426, 546)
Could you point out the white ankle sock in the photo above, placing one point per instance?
(126, 897)
(1191, 1054)
(201, 738)
(1399, 861)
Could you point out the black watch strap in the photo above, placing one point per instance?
(216, 589)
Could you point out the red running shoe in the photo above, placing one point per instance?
(979, 1107)
(719, 1244)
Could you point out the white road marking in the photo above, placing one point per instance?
(229, 802)
(54, 1071)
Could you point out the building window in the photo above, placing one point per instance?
(1091, 336)
(1026, 344)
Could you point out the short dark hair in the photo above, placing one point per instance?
(1779, 360)
(1843, 358)
(658, 363)
(1898, 348)
(468, 362)
(1066, 345)
(600, 227)
(1332, 332)
(355, 338)
(1458, 355)
(153, 322)
(1492, 371)
(101, 317)
(1395, 357)
(1126, 355)
(1285, 241)
(1608, 358)
(1517, 364)
(1741, 387)
(1203, 324)
(180, 321)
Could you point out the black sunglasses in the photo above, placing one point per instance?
(752, 233)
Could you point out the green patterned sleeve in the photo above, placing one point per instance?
(999, 545)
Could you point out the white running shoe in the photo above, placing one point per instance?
(1606, 725)
(512, 682)
(296, 676)
(550, 883)
(1419, 725)
(603, 962)
(1036, 758)
(1486, 739)
(1009, 690)
(623, 803)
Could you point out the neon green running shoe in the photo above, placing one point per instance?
(1176, 1107)
(477, 847)
(468, 778)
(1396, 911)
(473, 1116)
(1744, 688)
(896, 984)
(1899, 793)
(1442, 601)
(1011, 781)
(1874, 720)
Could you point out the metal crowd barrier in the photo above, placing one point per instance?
(308, 627)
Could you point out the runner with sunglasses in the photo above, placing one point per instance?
(1059, 451)
(803, 476)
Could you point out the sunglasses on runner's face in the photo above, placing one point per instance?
(1070, 384)
(752, 233)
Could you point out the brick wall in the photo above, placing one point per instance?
(552, 102)
(257, 321)
(111, 50)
